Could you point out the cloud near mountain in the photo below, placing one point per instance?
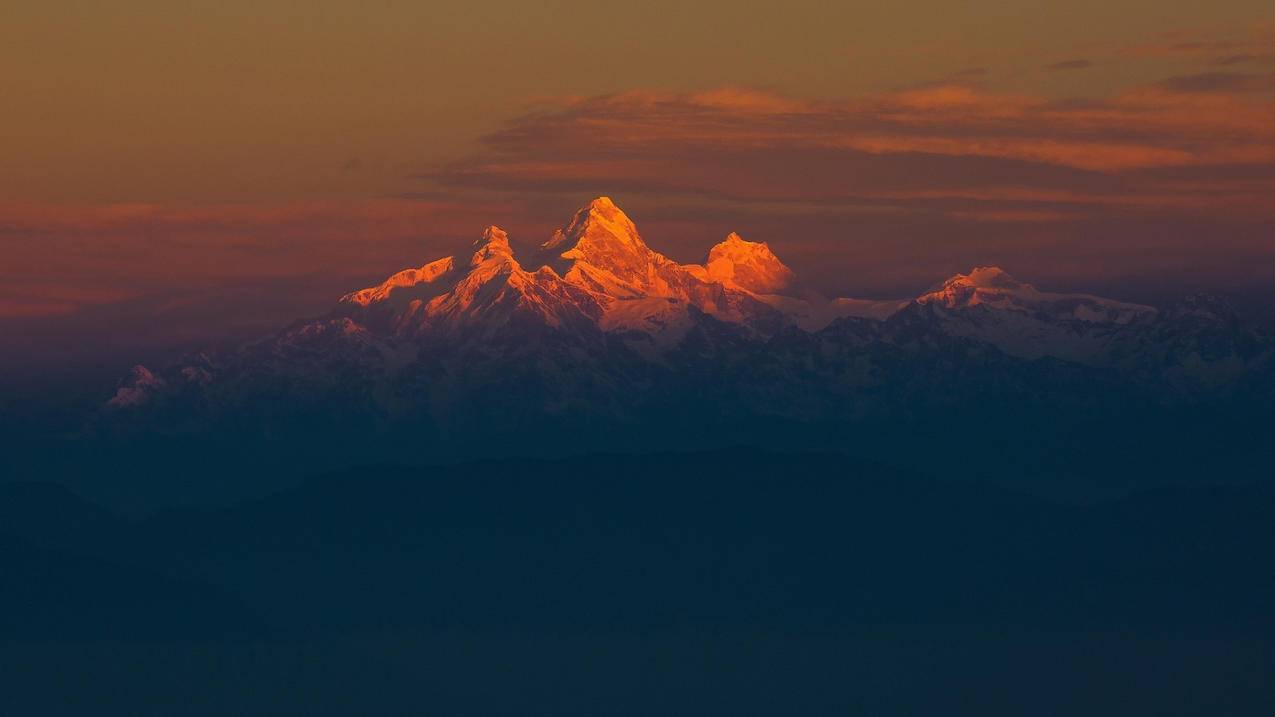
(1160, 189)
(944, 147)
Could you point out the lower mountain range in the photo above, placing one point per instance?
(597, 342)
(784, 583)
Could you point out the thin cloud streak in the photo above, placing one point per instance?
(1079, 64)
(748, 146)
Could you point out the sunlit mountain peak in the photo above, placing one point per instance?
(493, 244)
(751, 266)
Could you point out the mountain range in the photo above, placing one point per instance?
(595, 455)
(597, 329)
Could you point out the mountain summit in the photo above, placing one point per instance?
(747, 265)
(993, 286)
(600, 248)
(597, 232)
(493, 244)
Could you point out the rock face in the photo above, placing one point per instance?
(597, 325)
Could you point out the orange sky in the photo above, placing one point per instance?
(189, 172)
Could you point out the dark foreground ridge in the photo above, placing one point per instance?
(755, 579)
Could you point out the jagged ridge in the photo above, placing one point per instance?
(595, 268)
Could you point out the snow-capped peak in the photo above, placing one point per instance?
(493, 244)
(962, 287)
(1021, 320)
(400, 283)
(751, 266)
(600, 249)
(598, 231)
(993, 287)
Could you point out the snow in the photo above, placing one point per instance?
(994, 287)
(403, 279)
(746, 265)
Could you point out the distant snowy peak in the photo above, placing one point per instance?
(983, 285)
(403, 280)
(492, 245)
(598, 228)
(600, 248)
(994, 288)
(747, 265)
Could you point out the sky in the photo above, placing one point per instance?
(173, 174)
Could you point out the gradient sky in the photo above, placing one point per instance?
(175, 173)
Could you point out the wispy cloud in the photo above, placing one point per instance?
(1257, 45)
(1220, 82)
(1077, 64)
(748, 145)
(1229, 60)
